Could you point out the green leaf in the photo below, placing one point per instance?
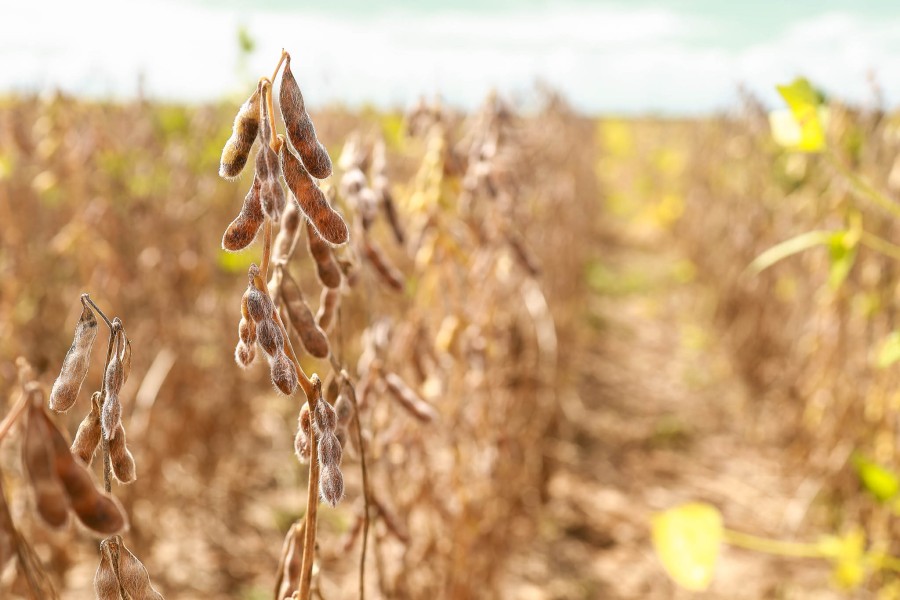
(890, 350)
(687, 540)
(880, 481)
(848, 555)
(787, 248)
(806, 108)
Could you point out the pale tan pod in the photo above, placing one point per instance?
(288, 233)
(314, 339)
(301, 440)
(388, 273)
(300, 129)
(106, 584)
(50, 497)
(408, 399)
(327, 270)
(244, 130)
(134, 577)
(268, 170)
(121, 458)
(75, 364)
(328, 307)
(97, 510)
(87, 438)
(111, 413)
(287, 580)
(328, 223)
(245, 227)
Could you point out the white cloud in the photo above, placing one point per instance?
(602, 58)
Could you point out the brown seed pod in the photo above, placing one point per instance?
(111, 415)
(388, 273)
(50, 497)
(327, 270)
(327, 222)
(244, 354)
(75, 364)
(328, 307)
(269, 337)
(87, 438)
(314, 339)
(331, 484)
(343, 409)
(329, 449)
(284, 374)
(121, 458)
(95, 509)
(268, 169)
(243, 134)
(106, 584)
(408, 399)
(245, 227)
(325, 417)
(382, 188)
(287, 579)
(134, 577)
(247, 331)
(259, 305)
(301, 440)
(288, 233)
(300, 127)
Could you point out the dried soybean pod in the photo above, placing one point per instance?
(328, 305)
(269, 337)
(331, 483)
(286, 240)
(134, 577)
(75, 365)
(87, 438)
(106, 584)
(268, 166)
(244, 354)
(301, 440)
(389, 273)
(244, 130)
(111, 414)
(284, 374)
(95, 509)
(327, 270)
(300, 129)
(328, 224)
(245, 227)
(314, 339)
(121, 458)
(408, 399)
(287, 579)
(259, 305)
(37, 455)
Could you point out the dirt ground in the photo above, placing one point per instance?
(656, 418)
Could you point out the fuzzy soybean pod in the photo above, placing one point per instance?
(408, 399)
(259, 305)
(327, 222)
(327, 269)
(288, 233)
(75, 365)
(243, 134)
(301, 440)
(328, 305)
(245, 227)
(97, 510)
(287, 580)
(284, 374)
(268, 169)
(134, 577)
(87, 438)
(314, 339)
(388, 273)
(121, 459)
(50, 497)
(331, 482)
(300, 127)
(106, 584)
(111, 414)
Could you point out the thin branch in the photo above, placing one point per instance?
(10, 419)
(345, 378)
(86, 299)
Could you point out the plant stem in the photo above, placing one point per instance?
(365, 481)
(880, 245)
(312, 509)
(864, 188)
(267, 251)
(284, 55)
(10, 419)
(777, 547)
(86, 299)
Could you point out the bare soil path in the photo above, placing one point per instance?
(657, 417)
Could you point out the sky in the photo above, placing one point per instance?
(640, 56)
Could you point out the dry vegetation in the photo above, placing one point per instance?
(525, 383)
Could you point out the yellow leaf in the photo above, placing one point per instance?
(687, 539)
